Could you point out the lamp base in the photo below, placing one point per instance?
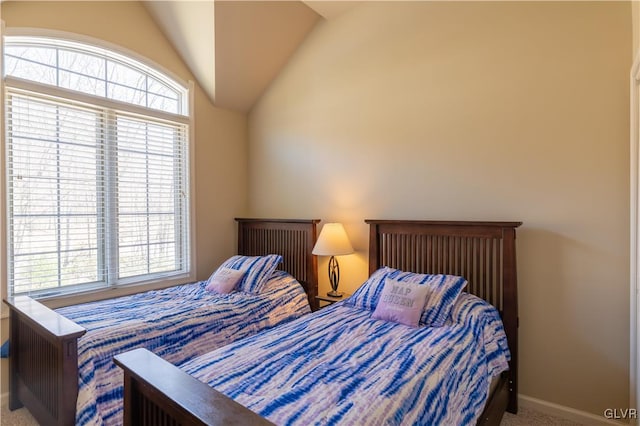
(334, 294)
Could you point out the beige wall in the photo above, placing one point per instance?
(635, 20)
(478, 111)
(220, 136)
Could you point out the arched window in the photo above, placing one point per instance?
(97, 160)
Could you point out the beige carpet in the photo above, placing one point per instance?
(528, 417)
(19, 417)
(525, 417)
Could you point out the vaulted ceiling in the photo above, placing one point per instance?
(236, 48)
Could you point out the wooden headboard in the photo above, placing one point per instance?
(482, 252)
(293, 239)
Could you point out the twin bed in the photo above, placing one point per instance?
(61, 363)
(340, 365)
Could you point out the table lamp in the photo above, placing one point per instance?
(333, 241)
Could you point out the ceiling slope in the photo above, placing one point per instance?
(254, 40)
(234, 48)
(330, 9)
(189, 27)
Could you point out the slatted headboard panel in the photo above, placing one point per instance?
(292, 239)
(482, 252)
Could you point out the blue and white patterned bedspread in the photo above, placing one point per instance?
(339, 366)
(178, 324)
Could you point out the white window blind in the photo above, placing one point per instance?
(96, 197)
(97, 187)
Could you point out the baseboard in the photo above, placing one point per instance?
(4, 399)
(568, 413)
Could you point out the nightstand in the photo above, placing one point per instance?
(324, 300)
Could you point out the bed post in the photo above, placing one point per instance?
(374, 244)
(14, 337)
(510, 312)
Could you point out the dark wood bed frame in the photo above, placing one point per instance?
(43, 361)
(159, 394)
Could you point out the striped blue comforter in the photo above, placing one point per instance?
(178, 324)
(339, 366)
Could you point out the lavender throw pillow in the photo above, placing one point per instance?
(224, 280)
(401, 302)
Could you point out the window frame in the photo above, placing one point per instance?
(113, 54)
(124, 285)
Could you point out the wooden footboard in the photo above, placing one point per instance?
(156, 393)
(43, 366)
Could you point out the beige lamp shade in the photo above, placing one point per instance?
(333, 241)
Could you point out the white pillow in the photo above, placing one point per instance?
(224, 280)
